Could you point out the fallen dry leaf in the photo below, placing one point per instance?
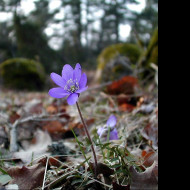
(54, 127)
(125, 85)
(42, 140)
(149, 158)
(126, 107)
(52, 109)
(145, 180)
(127, 103)
(27, 177)
(150, 133)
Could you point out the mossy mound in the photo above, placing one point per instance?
(149, 56)
(152, 50)
(131, 51)
(22, 74)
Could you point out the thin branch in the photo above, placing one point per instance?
(53, 183)
(45, 173)
(13, 127)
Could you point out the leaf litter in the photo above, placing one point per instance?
(48, 155)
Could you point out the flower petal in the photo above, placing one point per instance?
(58, 92)
(83, 81)
(114, 135)
(81, 90)
(100, 130)
(67, 72)
(77, 73)
(72, 99)
(112, 120)
(103, 133)
(57, 79)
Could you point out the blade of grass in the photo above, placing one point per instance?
(108, 137)
(3, 171)
(79, 143)
(81, 148)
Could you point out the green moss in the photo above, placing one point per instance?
(21, 73)
(149, 56)
(131, 51)
(153, 58)
(152, 50)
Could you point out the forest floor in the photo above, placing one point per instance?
(43, 143)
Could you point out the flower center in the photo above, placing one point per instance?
(71, 86)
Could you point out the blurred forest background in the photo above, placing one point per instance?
(41, 38)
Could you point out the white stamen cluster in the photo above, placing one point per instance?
(72, 85)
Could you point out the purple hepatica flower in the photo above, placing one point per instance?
(111, 122)
(71, 83)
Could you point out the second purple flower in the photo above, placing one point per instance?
(71, 83)
(103, 131)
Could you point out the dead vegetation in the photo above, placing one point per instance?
(38, 149)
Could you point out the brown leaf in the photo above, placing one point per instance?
(125, 85)
(120, 187)
(27, 177)
(126, 107)
(150, 133)
(52, 109)
(149, 158)
(55, 108)
(145, 180)
(88, 122)
(51, 161)
(126, 102)
(143, 153)
(54, 127)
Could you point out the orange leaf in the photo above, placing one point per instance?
(126, 107)
(149, 158)
(54, 127)
(125, 85)
(51, 109)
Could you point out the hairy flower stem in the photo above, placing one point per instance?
(89, 138)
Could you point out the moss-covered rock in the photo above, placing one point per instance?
(130, 52)
(21, 73)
